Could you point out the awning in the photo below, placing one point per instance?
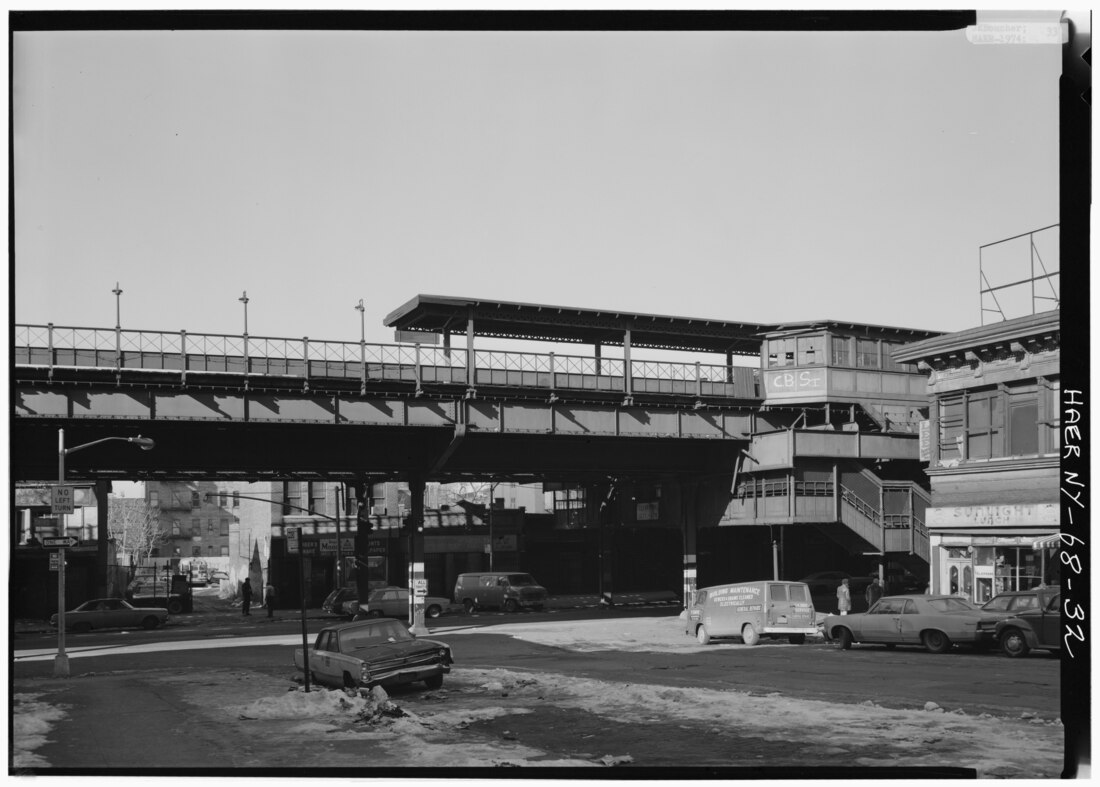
(1048, 542)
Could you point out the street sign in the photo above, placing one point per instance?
(61, 499)
(59, 542)
(55, 561)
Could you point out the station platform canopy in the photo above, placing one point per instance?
(447, 315)
(568, 324)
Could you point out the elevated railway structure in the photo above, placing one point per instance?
(814, 425)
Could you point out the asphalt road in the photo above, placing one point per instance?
(165, 709)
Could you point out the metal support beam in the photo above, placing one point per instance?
(418, 583)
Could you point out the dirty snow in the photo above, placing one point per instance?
(874, 735)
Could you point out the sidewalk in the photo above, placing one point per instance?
(209, 608)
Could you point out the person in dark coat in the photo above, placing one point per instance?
(246, 596)
(873, 592)
(269, 599)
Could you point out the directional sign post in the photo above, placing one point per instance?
(62, 499)
(59, 542)
(294, 544)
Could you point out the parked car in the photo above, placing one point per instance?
(1016, 601)
(393, 602)
(105, 613)
(362, 654)
(334, 601)
(936, 622)
(507, 590)
(1031, 626)
(750, 610)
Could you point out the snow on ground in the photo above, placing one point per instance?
(870, 735)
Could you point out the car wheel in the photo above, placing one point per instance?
(469, 606)
(702, 635)
(1013, 643)
(936, 641)
(510, 605)
(175, 607)
(149, 622)
(843, 638)
(749, 634)
(434, 682)
(433, 611)
(796, 639)
(82, 627)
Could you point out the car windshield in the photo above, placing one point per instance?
(998, 604)
(949, 605)
(369, 636)
(521, 579)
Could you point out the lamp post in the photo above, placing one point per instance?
(244, 299)
(61, 661)
(362, 347)
(118, 306)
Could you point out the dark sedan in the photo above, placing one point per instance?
(103, 613)
(1033, 625)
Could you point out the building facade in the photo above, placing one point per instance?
(992, 447)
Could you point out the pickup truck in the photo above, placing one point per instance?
(360, 655)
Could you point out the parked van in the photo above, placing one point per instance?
(507, 590)
(751, 610)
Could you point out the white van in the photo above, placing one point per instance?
(751, 610)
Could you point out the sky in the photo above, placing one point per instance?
(938, 733)
(741, 176)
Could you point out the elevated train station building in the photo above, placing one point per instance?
(779, 449)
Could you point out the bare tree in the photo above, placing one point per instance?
(135, 527)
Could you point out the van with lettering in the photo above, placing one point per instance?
(751, 610)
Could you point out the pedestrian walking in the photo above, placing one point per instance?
(269, 599)
(873, 592)
(246, 596)
(843, 597)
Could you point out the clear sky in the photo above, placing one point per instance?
(762, 177)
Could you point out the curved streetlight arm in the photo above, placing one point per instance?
(145, 443)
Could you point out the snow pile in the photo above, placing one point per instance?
(32, 721)
(652, 635)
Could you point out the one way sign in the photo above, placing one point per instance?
(59, 542)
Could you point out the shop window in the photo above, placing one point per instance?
(1023, 421)
(984, 425)
(841, 354)
(951, 428)
(953, 580)
(867, 353)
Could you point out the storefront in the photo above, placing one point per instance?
(1005, 548)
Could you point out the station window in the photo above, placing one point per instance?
(781, 352)
(810, 350)
(867, 353)
(841, 351)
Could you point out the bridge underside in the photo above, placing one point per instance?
(259, 451)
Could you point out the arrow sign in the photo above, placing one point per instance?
(59, 542)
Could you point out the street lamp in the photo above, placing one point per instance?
(61, 661)
(244, 299)
(118, 306)
(362, 320)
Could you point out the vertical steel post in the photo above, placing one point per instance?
(416, 555)
(61, 660)
(302, 598)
